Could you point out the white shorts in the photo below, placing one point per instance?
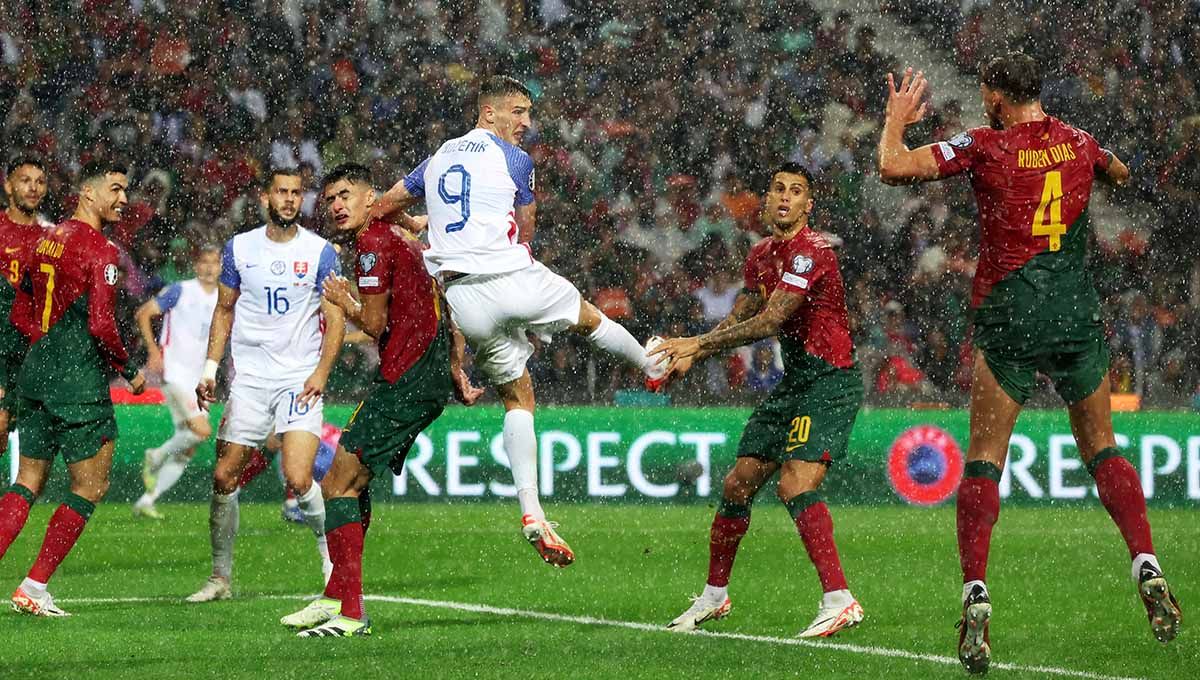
(181, 402)
(254, 410)
(494, 311)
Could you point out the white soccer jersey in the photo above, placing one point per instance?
(277, 324)
(472, 186)
(187, 313)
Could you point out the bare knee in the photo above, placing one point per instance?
(92, 490)
(34, 481)
(298, 480)
(738, 490)
(200, 427)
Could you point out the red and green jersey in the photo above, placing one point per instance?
(1032, 184)
(820, 328)
(18, 242)
(390, 261)
(65, 306)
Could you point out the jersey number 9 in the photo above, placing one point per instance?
(462, 198)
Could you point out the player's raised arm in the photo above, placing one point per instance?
(897, 163)
(391, 206)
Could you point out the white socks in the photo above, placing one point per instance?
(312, 505)
(169, 473)
(1143, 559)
(34, 588)
(183, 440)
(223, 527)
(612, 337)
(520, 443)
(970, 585)
(715, 593)
(837, 598)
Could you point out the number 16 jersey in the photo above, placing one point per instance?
(277, 324)
(1032, 184)
(472, 186)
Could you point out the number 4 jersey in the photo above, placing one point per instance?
(277, 324)
(1032, 184)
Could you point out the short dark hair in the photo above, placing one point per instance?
(98, 169)
(204, 249)
(270, 175)
(24, 159)
(794, 168)
(1015, 74)
(354, 173)
(501, 86)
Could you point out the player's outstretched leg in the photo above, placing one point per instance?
(839, 609)
(977, 512)
(613, 338)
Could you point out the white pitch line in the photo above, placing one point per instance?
(650, 628)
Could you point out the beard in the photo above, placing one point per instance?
(279, 221)
(24, 207)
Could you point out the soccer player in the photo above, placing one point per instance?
(25, 187)
(1035, 311)
(420, 362)
(178, 354)
(793, 290)
(478, 192)
(285, 340)
(64, 306)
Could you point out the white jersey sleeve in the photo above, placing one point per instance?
(472, 186)
(187, 314)
(277, 324)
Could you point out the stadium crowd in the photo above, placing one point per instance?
(655, 130)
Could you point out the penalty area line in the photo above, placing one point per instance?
(867, 650)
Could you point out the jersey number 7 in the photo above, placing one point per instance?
(1050, 224)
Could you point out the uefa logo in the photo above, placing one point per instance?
(925, 465)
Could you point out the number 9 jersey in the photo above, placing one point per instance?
(277, 325)
(472, 186)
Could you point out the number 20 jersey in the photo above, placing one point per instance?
(277, 324)
(472, 186)
(1032, 184)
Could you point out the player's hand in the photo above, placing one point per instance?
(464, 391)
(336, 289)
(904, 105)
(206, 393)
(680, 367)
(138, 384)
(416, 224)
(313, 388)
(676, 349)
(154, 360)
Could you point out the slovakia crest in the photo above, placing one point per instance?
(301, 269)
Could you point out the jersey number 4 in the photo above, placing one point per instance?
(1047, 221)
(462, 198)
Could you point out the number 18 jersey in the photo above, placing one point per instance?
(1032, 184)
(472, 186)
(277, 325)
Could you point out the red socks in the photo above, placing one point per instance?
(344, 533)
(258, 463)
(1120, 491)
(14, 510)
(728, 527)
(978, 510)
(65, 527)
(815, 525)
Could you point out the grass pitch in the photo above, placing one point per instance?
(1064, 603)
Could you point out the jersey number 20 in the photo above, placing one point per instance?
(462, 198)
(1047, 221)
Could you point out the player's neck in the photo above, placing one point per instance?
(490, 129)
(88, 218)
(282, 234)
(1026, 113)
(789, 232)
(207, 287)
(18, 216)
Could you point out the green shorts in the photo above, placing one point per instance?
(11, 366)
(1075, 358)
(383, 427)
(77, 431)
(810, 422)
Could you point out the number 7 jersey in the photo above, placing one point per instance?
(472, 186)
(1032, 184)
(277, 324)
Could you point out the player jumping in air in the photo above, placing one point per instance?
(64, 306)
(478, 192)
(793, 290)
(420, 362)
(284, 342)
(25, 187)
(1035, 311)
(178, 354)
